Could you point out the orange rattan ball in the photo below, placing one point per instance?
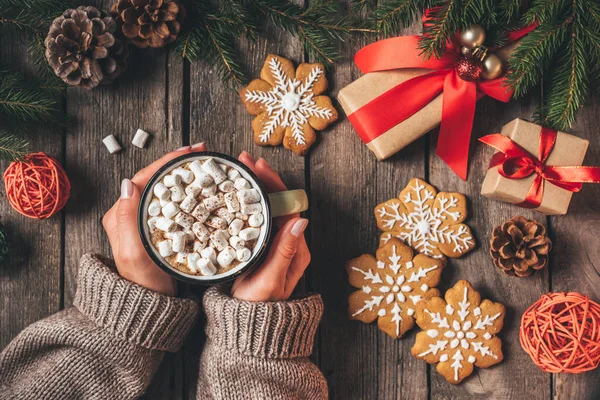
(37, 186)
(561, 333)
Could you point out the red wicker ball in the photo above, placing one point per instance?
(37, 186)
(561, 333)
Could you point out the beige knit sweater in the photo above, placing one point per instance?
(110, 343)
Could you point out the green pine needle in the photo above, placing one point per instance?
(12, 148)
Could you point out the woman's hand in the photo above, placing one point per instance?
(120, 224)
(288, 256)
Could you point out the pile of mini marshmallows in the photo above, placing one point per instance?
(208, 216)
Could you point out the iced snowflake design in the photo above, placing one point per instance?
(461, 334)
(391, 286)
(428, 221)
(289, 103)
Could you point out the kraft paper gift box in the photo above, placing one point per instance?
(568, 150)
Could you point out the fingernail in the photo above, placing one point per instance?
(197, 145)
(245, 153)
(183, 148)
(299, 227)
(126, 189)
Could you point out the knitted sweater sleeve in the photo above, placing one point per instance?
(107, 346)
(260, 350)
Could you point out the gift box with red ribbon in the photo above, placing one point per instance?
(536, 167)
(402, 96)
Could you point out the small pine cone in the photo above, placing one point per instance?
(520, 246)
(82, 50)
(149, 23)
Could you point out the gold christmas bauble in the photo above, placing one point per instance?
(473, 36)
(492, 67)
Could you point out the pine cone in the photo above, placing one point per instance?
(520, 246)
(82, 49)
(153, 23)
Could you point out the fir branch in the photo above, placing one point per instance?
(394, 15)
(441, 27)
(12, 148)
(31, 15)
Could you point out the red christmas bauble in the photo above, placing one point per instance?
(469, 68)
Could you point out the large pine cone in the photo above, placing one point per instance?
(520, 246)
(82, 49)
(153, 23)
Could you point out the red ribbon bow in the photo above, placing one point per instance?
(514, 162)
(399, 103)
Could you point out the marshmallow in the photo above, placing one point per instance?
(255, 220)
(196, 168)
(241, 216)
(209, 191)
(181, 258)
(170, 210)
(140, 138)
(198, 246)
(216, 222)
(233, 174)
(249, 233)
(213, 169)
(214, 202)
(219, 239)
(165, 224)
(223, 167)
(210, 254)
(226, 186)
(188, 204)
(206, 267)
(204, 180)
(248, 196)
(172, 180)
(235, 227)
(178, 240)
(152, 224)
(193, 190)
(186, 175)
(190, 235)
(253, 208)
(237, 243)
(232, 202)
(111, 144)
(243, 254)
(226, 215)
(200, 213)
(192, 261)
(184, 220)
(161, 191)
(154, 208)
(200, 231)
(226, 257)
(241, 184)
(177, 193)
(164, 248)
(165, 202)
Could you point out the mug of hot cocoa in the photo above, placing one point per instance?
(206, 218)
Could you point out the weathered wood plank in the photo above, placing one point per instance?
(30, 278)
(575, 263)
(515, 377)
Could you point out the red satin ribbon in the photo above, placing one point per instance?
(404, 100)
(514, 162)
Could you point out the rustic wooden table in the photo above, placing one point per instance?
(180, 104)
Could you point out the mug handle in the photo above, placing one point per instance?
(288, 202)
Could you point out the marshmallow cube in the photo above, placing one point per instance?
(241, 184)
(243, 254)
(214, 202)
(152, 224)
(188, 204)
(226, 186)
(237, 243)
(226, 257)
(184, 220)
(200, 231)
(210, 254)
(178, 240)
(172, 180)
(181, 258)
(177, 193)
(209, 191)
(163, 203)
(111, 144)
(140, 138)
(249, 233)
(256, 220)
(193, 190)
(196, 168)
(213, 169)
(206, 267)
(232, 202)
(165, 249)
(219, 239)
(241, 216)
(235, 227)
(192, 261)
(165, 224)
(190, 235)
(186, 175)
(233, 174)
(154, 208)
(199, 246)
(161, 191)
(170, 210)
(253, 208)
(248, 196)
(226, 215)
(204, 180)
(216, 222)
(200, 213)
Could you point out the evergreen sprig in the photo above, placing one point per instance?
(31, 15)
(564, 50)
(12, 147)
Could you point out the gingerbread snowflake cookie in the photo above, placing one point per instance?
(459, 332)
(391, 286)
(288, 104)
(429, 222)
